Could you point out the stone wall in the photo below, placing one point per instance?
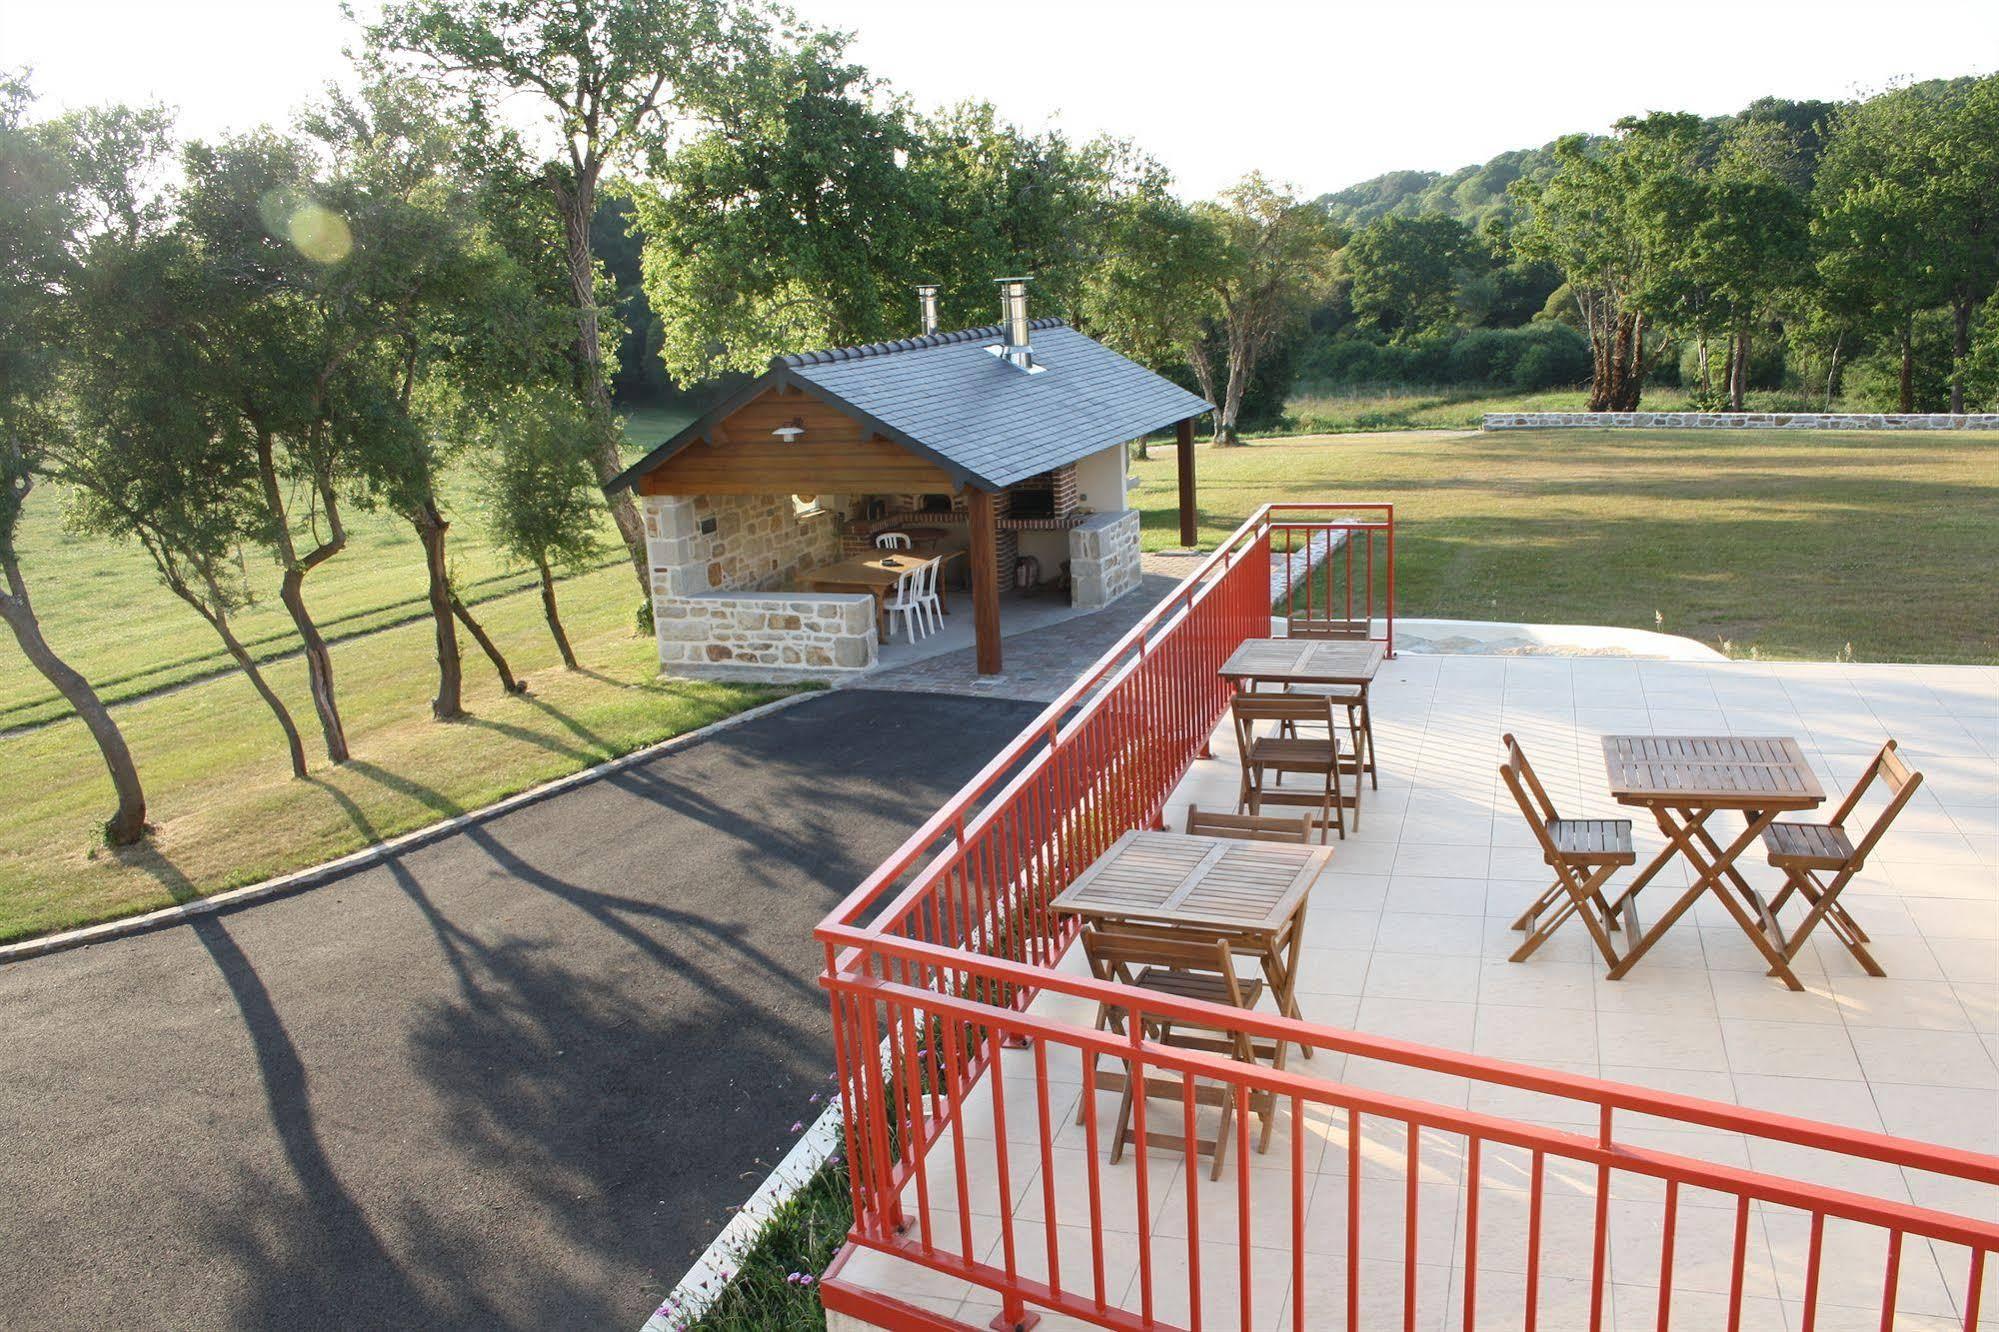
(1738, 421)
(783, 630)
(714, 560)
(1103, 559)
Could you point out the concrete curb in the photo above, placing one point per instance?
(299, 880)
(717, 1267)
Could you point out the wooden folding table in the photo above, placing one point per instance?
(1685, 780)
(1251, 893)
(1315, 661)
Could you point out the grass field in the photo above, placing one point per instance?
(221, 797)
(1779, 543)
(1453, 408)
(103, 608)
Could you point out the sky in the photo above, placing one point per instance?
(1319, 95)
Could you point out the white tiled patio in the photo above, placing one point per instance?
(1407, 936)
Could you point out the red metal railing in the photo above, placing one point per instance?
(932, 963)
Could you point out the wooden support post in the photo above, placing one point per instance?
(985, 579)
(1183, 438)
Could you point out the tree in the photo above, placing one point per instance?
(1405, 271)
(1877, 236)
(1273, 252)
(151, 463)
(43, 219)
(540, 498)
(611, 76)
(448, 305)
(1610, 218)
(1963, 204)
(790, 224)
(994, 200)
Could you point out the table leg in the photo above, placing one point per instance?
(1682, 837)
(1724, 866)
(881, 615)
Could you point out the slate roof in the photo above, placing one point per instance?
(981, 418)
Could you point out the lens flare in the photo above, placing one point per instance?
(320, 234)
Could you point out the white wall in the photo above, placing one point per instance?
(1100, 480)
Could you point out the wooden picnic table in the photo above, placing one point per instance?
(1687, 779)
(1251, 893)
(877, 576)
(1304, 661)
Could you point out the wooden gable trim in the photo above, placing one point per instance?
(837, 455)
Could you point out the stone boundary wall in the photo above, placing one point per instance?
(1739, 421)
(803, 630)
(1104, 559)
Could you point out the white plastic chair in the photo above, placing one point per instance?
(907, 601)
(892, 541)
(926, 593)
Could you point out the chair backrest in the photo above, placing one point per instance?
(1121, 953)
(1249, 709)
(1300, 627)
(1248, 827)
(928, 587)
(1528, 793)
(892, 541)
(908, 583)
(1901, 781)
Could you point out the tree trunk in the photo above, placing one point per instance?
(1832, 372)
(554, 620)
(1960, 350)
(128, 824)
(1700, 360)
(218, 620)
(507, 680)
(1738, 370)
(1908, 385)
(291, 591)
(450, 701)
(1619, 376)
(577, 204)
(318, 665)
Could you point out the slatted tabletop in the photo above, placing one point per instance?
(1718, 771)
(1304, 661)
(1176, 879)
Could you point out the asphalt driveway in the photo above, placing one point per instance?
(512, 1079)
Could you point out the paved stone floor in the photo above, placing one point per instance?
(1038, 664)
(1407, 937)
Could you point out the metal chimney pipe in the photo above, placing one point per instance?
(926, 298)
(1013, 316)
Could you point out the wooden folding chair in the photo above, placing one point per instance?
(1267, 759)
(1360, 720)
(1247, 827)
(1807, 851)
(1187, 966)
(1584, 853)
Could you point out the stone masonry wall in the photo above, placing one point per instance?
(1739, 421)
(711, 599)
(1104, 559)
(786, 630)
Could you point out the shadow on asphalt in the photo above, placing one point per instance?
(514, 1078)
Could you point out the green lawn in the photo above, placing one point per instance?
(1783, 544)
(221, 796)
(102, 606)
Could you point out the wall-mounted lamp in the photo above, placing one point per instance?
(790, 433)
